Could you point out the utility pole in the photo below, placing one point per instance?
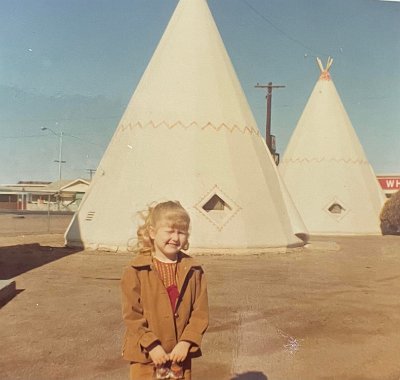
(91, 171)
(60, 146)
(60, 160)
(268, 137)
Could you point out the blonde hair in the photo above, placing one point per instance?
(172, 211)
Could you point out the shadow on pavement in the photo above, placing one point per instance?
(252, 375)
(18, 259)
(4, 300)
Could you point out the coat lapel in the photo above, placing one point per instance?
(185, 265)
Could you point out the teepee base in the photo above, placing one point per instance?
(192, 251)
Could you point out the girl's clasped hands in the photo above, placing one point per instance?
(160, 359)
(178, 354)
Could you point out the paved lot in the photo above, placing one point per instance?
(16, 224)
(330, 311)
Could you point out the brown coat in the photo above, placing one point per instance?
(147, 312)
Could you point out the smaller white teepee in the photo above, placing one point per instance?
(326, 170)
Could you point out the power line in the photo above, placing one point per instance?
(296, 41)
(65, 134)
(86, 141)
(63, 119)
(19, 137)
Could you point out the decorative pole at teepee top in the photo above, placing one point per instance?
(325, 72)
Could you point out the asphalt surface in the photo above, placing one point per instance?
(329, 311)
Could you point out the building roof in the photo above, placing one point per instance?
(49, 187)
(65, 184)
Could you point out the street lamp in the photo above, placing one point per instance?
(60, 160)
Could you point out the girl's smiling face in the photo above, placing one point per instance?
(168, 238)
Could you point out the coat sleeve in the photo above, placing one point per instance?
(198, 321)
(138, 333)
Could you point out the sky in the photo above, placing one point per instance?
(71, 66)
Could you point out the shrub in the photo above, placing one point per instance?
(390, 215)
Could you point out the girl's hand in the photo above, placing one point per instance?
(180, 351)
(158, 355)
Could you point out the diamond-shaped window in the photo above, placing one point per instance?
(217, 207)
(216, 203)
(336, 209)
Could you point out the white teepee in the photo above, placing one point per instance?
(326, 170)
(188, 134)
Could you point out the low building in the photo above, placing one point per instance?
(63, 195)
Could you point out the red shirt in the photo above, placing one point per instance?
(167, 274)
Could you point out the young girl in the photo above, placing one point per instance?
(164, 298)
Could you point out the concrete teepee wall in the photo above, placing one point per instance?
(188, 134)
(326, 170)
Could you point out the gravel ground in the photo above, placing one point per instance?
(328, 311)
